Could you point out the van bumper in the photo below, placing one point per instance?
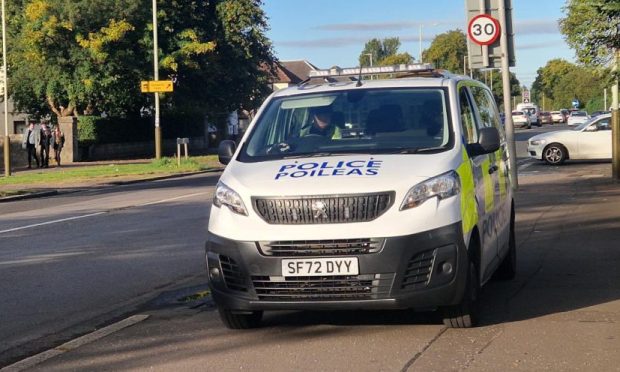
(421, 271)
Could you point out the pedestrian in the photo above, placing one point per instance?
(30, 141)
(46, 140)
(233, 125)
(58, 141)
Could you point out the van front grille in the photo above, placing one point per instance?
(418, 272)
(323, 209)
(232, 274)
(309, 288)
(335, 247)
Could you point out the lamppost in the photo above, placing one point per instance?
(7, 140)
(369, 57)
(156, 77)
(420, 45)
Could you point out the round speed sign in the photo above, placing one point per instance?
(483, 29)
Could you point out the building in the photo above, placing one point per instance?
(289, 73)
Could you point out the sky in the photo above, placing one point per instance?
(333, 32)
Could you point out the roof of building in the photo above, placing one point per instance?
(295, 71)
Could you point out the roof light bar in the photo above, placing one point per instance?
(355, 71)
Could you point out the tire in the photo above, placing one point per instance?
(555, 154)
(507, 270)
(233, 320)
(465, 314)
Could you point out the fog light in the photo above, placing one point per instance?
(446, 268)
(215, 274)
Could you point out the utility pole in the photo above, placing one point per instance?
(510, 131)
(615, 123)
(7, 139)
(156, 77)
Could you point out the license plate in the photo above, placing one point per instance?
(320, 267)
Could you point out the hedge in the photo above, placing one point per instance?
(99, 130)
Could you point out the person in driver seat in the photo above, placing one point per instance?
(322, 124)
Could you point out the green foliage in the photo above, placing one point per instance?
(560, 82)
(384, 52)
(592, 29)
(87, 57)
(87, 130)
(447, 51)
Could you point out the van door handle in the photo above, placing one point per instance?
(493, 169)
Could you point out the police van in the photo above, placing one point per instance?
(364, 188)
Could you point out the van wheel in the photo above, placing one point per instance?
(508, 268)
(465, 314)
(555, 154)
(236, 320)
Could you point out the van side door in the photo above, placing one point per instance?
(483, 180)
(502, 201)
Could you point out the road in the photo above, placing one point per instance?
(72, 262)
(125, 246)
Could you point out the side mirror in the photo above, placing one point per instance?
(488, 142)
(591, 128)
(226, 150)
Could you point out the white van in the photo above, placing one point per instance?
(364, 194)
(532, 110)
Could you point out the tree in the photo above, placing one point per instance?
(384, 52)
(88, 56)
(447, 51)
(592, 29)
(75, 62)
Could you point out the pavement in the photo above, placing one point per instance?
(562, 312)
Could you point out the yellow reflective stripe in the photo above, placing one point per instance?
(501, 174)
(488, 185)
(469, 215)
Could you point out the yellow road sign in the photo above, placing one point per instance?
(156, 86)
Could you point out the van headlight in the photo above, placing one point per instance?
(537, 142)
(442, 187)
(224, 195)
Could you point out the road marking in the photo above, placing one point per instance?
(100, 213)
(74, 344)
(51, 222)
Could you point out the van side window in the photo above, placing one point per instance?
(489, 116)
(468, 123)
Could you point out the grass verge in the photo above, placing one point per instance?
(104, 173)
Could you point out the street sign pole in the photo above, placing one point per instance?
(7, 139)
(156, 76)
(510, 131)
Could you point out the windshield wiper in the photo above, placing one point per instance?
(320, 154)
(419, 150)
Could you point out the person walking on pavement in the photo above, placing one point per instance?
(46, 140)
(58, 141)
(30, 141)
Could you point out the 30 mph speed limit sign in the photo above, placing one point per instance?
(483, 29)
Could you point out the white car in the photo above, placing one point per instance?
(577, 117)
(590, 140)
(557, 116)
(521, 119)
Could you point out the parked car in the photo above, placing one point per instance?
(577, 117)
(558, 117)
(545, 117)
(531, 110)
(597, 113)
(521, 119)
(589, 140)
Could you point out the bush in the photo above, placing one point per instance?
(98, 130)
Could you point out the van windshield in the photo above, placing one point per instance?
(369, 121)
